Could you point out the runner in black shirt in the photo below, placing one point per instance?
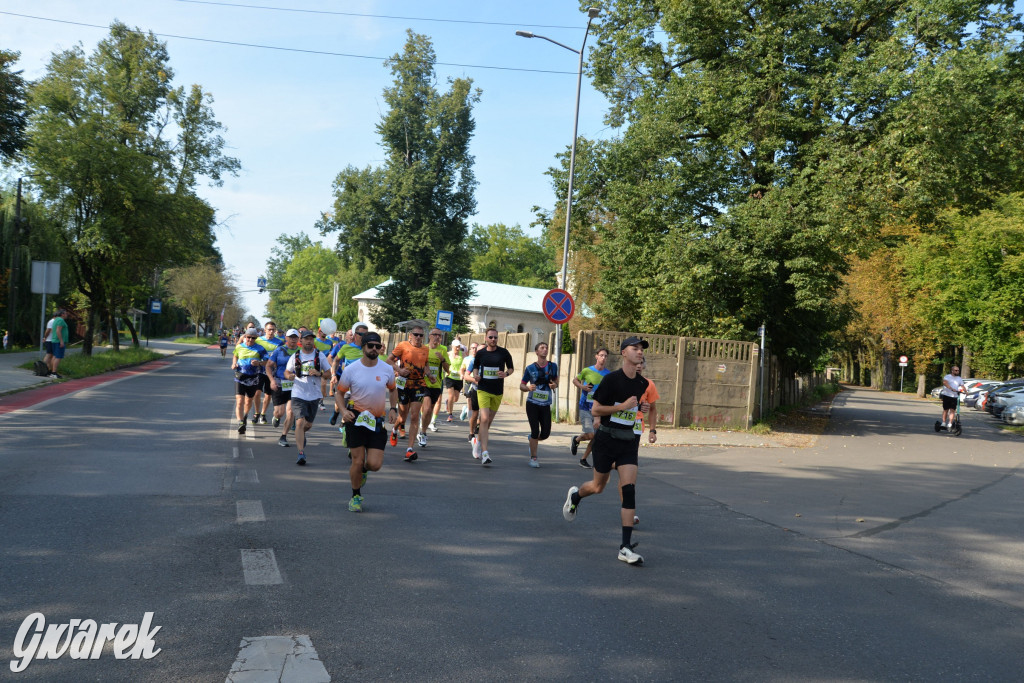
(490, 367)
(617, 442)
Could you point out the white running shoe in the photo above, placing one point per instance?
(432, 427)
(485, 458)
(534, 463)
(569, 510)
(626, 554)
(636, 520)
(464, 414)
(476, 448)
(421, 440)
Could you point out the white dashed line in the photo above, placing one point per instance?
(278, 659)
(260, 567)
(249, 511)
(247, 477)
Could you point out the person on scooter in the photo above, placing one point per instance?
(952, 385)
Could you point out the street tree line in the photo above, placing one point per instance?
(114, 153)
(843, 172)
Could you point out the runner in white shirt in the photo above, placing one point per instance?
(371, 381)
(306, 369)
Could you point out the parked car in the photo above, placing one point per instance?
(1014, 415)
(1000, 400)
(974, 394)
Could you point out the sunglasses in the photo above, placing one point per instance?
(434, 334)
(489, 338)
(371, 345)
(416, 334)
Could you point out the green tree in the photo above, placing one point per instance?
(204, 291)
(13, 115)
(280, 256)
(767, 143)
(500, 253)
(307, 288)
(115, 176)
(408, 217)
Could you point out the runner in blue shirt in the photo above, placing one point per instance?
(280, 386)
(539, 380)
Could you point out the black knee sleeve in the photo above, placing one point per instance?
(629, 497)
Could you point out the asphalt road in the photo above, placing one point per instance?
(886, 552)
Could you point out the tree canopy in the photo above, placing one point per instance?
(765, 146)
(117, 177)
(407, 218)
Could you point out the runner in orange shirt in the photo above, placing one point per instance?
(409, 359)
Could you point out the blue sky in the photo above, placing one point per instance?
(294, 119)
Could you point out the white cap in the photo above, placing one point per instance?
(360, 324)
(292, 332)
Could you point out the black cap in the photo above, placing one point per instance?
(371, 337)
(633, 341)
(308, 333)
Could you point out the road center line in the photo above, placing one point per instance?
(278, 659)
(247, 477)
(260, 567)
(249, 511)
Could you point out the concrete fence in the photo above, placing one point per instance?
(702, 382)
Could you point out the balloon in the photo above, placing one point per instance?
(328, 326)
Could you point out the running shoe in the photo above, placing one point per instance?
(574, 446)
(476, 448)
(410, 455)
(421, 440)
(450, 418)
(534, 463)
(394, 438)
(283, 441)
(364, 479)
(636, 520)
(334, 418)
(585, 465)
(432, 427)
(322, 407)
(626, 554)
(485, 458)
(464, 414)
(263, 418)
(277, 422)
(241, 426)
(355, 504)
(569, 510)
(302, 459)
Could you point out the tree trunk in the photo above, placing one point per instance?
(131, 328)
(886, 369)
(922, 385)
(90, 330)
(114, 337)
(965, 366)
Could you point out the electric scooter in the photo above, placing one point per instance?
(954, 428)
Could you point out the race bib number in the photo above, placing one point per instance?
(625, 417)
(540, 395)
(590, 396)
(286, 384)
(638, 427)
(367, 419)
(490, 373)
(400, 382)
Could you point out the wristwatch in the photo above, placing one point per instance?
(654, 431)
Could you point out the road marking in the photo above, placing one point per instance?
(278, 659)
(260, 567)
(247, 477)
(249, 511)
(235, 454)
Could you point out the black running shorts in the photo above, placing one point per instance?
(361, 437)
(608, 452)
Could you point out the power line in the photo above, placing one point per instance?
(288, 49)
(374, 16)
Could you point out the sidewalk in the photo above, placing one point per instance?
(14, 378)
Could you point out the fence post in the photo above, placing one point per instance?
(677, 416)
(755, 355)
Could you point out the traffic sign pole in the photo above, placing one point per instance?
(558, 307)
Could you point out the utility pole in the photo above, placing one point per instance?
(12, 283)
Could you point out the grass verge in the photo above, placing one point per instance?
(77, 365)
(202, 341)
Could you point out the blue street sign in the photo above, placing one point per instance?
(444, 320)
(155, 306)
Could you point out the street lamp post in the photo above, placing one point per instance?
(592, 13)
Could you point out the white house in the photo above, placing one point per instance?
(503, 307)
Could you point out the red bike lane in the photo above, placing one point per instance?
(32, 397)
